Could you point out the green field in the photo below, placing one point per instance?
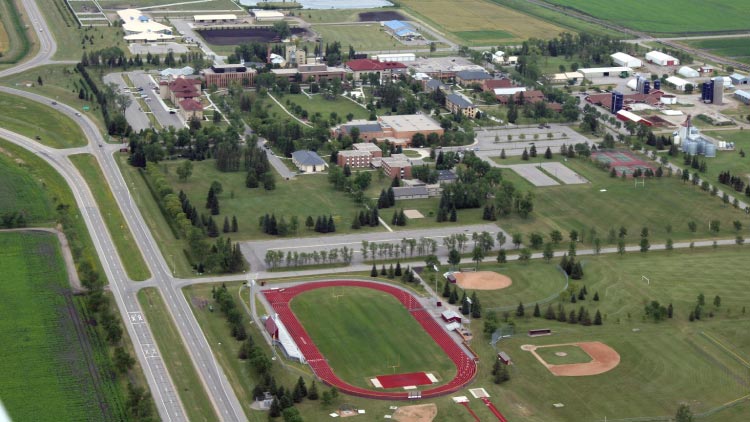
(209, 5)
(365, 332)
(194, 398)
(33, 119)
(660, 18)
(727, 160)
(736, 48)
(573, 354)
(662, 203)
(42, 357)
(15, 41)
(20, 191)
(314, 191)
(479, 18)
(363, 37)
(118, 229)
(61, 83)
(318, 104)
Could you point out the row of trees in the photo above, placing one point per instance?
(422, 247)
(277, 259)
(736, 182)
(582, 316)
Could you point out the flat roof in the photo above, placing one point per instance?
(353, 153)
(214, 17)
(395, 162)
(659, 55)
(410, 122)
(509, 91)
(613, 69)
(267, 13)
(366, 146)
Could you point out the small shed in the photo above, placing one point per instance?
(450, 277)
(504, 358)
(738, 79)
(450, 315)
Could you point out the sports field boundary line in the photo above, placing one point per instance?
(726, 349)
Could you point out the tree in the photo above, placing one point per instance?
(598, 318)
(477, 256)
(520, 310)
(548, 252)
(645, 246)
(454, 257)
(596, 296)
(517, 240)
(312, 394)
(684, 414)
(374, 271)
(123, 361)
(185, 170)
(550, 314)
(537, 311)
(501, 256)
(556, 237)
(717, 301)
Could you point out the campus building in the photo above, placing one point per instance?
(400, 127)
(141, 28)
(315, 72)
(354, 158)
(222, 75)
(401, 30)
(180, 89)
(308, 161)
(458, 104)
(396, 166)
(386, 70)
(190, 109)
(468, 77)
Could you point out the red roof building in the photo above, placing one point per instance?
(491, 84)
(180, 89)
(190, 108)
(605, 99)
(386, 69)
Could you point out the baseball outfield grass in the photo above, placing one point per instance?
(364, 333)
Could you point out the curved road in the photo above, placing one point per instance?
(124, 290)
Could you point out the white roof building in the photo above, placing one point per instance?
(678, 83)
(267, 15)
(599, 72)
(688, 72)
(626, 60)
(498, 57)
(396, 57)
(214, 18)
(135, 22)
(509, 91)
(661, 59)
(287, 342)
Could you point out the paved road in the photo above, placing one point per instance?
(133, 114)
(275, 161)
(124, 290)
(47, 47)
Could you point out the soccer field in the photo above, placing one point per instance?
(365, 333)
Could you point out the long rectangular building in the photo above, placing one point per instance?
(222, 75)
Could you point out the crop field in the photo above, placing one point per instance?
(32, 119)
(364, 333)
(476, 17)
(661, 18)
(610, 203)
(363, 37)
(736, 48)
(42, 356)
(15, 40)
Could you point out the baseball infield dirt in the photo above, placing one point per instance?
(482, 280)
(603, 359)
(418, 413)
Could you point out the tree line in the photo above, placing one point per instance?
(276, 258)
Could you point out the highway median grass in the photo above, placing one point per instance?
(171, 347)
(32, 119)
(17, 34)
(127, 248)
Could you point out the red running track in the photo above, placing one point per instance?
(494, 410)
(404, 380)
(466, 367)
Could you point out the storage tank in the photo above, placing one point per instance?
(722, 144)
(709, 149)
(657, 84)
(676, 140)
(633, 84)
(691, 147)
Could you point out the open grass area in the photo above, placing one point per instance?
(157, 5)
(475, 17)
(727, 160)
(314, 191)
(661, 207)
(181, 370)
(70, 38)
(736, 48)
(363, 37)
(661, 18)
(573, 354)
(22, 192)
(319, 104)
(33, 119)
(16, 38)
(365, 333)
(118, 229)
(61, 83)
(42, 354)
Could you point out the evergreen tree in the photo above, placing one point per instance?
(226, 229)
(520, 309)
(550, 314)
(453, 298)
(476, 307)
(331, 228)
(391, 197)
(356, 225)
(572, 319)
(465, 307)
(374, 271)
(382, 270)
(446, 289)
(397, 272)
(537, 312)
(596, 296)
(453, 217)
(391, 273)
(598, 318)
(312, 394)
(235, 228)
(275, 410)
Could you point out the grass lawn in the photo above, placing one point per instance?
(736, 48)
(728, 160)
(61, 83)
(365, 332)
(363, 37)
(32, 119)
(21, 191)
(168, 245)
(659, 17)
(171, 347)
(314, 191)
(15, 38)
(586, 207)
(70, 38)
(210, 5)
(573, 354)
(41, 356)
(133, 261)
(242, 378)
(318, 104)
(475, 17)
